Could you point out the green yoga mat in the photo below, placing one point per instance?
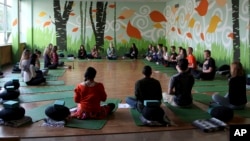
(44, 89)
(206, 99)
(189, 114)
(211, 83)
(56, 72)
(92, 124)
(38, 113)
(136, 117)
(45, 97)
(210, 88)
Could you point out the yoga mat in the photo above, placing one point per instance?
(209, 83)
(189, 114)
(92, 124)
(44, 89)
(210, 89)
(56, 72)
(38, 113)
(136, 117)
(206, 99)
(44, 97)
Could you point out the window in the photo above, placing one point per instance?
(5, 21)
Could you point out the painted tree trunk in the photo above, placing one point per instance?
(99, 27)
(61, 23)
(236, 32)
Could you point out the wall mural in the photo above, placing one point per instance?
(218, 25)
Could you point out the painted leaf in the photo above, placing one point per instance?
(47, 23)
(221, 2)
(231, 35)
(157, 16)
(189, 35)
(72, 14)
(191, 23)
(179, 31)
(202, 7)
(202, 36)
(121, 17)
(133, 31)
(112, 6)
(124, 41)
(125, 14)
(108, 38)
(213, 24)
(75, 29)
(187, 17)
(42, 13)
(173, 29)
(158, 25)
(14, 23)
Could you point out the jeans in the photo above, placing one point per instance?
(224, 101)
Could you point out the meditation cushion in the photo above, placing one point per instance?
(57, 112)
(9, 95)
(222, 113)
(8, 114)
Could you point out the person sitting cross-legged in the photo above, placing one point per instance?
(88, 96)
(180, 86)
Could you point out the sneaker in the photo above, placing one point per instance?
(111, 107)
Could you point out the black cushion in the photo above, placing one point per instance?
(57, 113)
(222, 113)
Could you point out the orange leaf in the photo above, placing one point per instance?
(72, 14)
(221, 2)
(173, 29)
(179, 30)
(231, 35)
(126, 14)
(189, 35)
(14, 23)
(94, 10)
(158, 25)
(121, 17)
(157, 16)
(112, 6)
(47, 23)
(108, 38)
(133, 31)
(202, 7)
(75, 29)
(202, 36)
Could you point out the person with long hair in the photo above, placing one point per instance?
(236, 97)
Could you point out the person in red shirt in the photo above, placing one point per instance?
(88, 96)
(192, 64)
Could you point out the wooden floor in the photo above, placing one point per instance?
(118, 78)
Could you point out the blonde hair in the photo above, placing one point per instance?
(236, 69)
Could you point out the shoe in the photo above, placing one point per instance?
(111, 107)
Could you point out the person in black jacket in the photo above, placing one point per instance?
(82, 54)
(133, 52)
(236, 97)
(146, 88)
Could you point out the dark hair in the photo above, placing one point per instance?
(33, 59)
(90, 73)
(183, 64)
(37, 51)
(147, 71)
(208, 52)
